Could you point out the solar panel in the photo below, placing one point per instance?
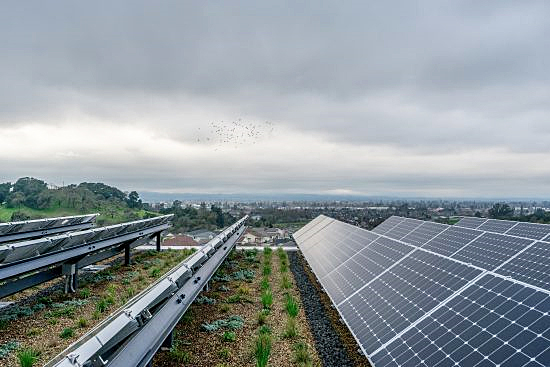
(308, 226)
(497, 226)
(398, 297)
(531, 266)
(409, 305)
(388, 224)
(451, 240)
(425, 232)
(534, 231)
(493, 322)
(41, 224)
(22, 250)
(471, 222)
(362, 267)
(491, 249)
(15, 231)
(404, 228)
(312, 236)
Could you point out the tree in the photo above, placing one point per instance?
(103, 190)
(4, 191)
(133, 200)
(15, 200)
(501, 211)
(220, 221)
(30, 188)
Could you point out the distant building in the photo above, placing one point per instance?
(201, 235)
(263, 235)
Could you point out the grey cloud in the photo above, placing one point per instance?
(427, 78)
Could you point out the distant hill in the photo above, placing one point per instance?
(31, 198)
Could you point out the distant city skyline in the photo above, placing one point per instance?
(399, 99)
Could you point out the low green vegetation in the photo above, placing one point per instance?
(237, 298)
(225, 308)
(267, 299)
(265, 283)
(84, 293)
(34, 332)
(290, 329)
(291, 305)
(302, 357)
(285, 282)
(82, 323)
(67, 333)
(179, 355)
(27, 357)
(229, 336)
(225, 353)
(232, 323)
(262, 349)
(262, 317)
(264, 329)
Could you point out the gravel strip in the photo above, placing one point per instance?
(328, 339)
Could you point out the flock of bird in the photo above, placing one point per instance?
(235, 133)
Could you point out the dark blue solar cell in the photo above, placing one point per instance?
(544, 358)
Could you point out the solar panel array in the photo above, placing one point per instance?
(416, 293)
(10, 230)
(22, 250)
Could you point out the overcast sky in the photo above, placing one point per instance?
(407, 98)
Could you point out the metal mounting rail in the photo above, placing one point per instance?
(132, 335)
(29, 263)
(17, 231)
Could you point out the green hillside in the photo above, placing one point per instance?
(30, 198)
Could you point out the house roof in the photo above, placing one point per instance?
(180, 240)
